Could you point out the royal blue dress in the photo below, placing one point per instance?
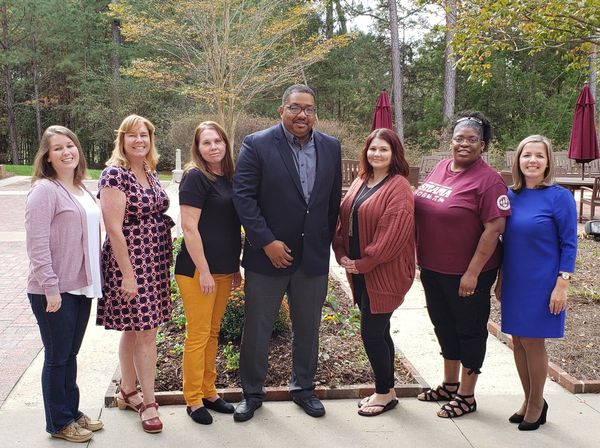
(540, 241)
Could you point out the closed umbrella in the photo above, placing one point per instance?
(382, 118)
(583, 146)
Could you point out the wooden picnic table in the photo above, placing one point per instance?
(575, 182)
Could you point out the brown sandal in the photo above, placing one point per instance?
(124, 403)
(153, 424)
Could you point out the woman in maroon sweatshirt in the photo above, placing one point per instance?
(375, 243)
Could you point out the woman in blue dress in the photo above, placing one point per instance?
(540, 246)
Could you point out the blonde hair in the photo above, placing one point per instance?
(198, 162)
(517, 174)
(119, 157)
(42, 168)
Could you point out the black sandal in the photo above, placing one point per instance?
(440, 393)
(461, 405)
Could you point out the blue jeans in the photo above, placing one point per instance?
(62, 333)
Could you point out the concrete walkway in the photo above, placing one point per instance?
(573, 420)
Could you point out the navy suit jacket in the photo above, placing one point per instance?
(268, 198)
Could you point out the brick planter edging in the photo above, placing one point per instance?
(282, 393)
(558, 375)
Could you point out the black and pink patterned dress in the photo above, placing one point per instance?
(147, 231)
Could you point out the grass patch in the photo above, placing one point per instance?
(26, 170)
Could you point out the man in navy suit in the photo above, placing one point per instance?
(287, 191)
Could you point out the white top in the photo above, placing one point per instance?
(92, 212)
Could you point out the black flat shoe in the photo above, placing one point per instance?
(245, 410)
(516, 418)
(200, 415)
(311, 405)
(219, 405)
(532, 426)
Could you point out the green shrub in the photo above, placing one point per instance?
(232, 324)
(232, 357)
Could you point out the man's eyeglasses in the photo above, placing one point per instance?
(470, 141)
(295, 109)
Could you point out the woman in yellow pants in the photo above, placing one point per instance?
(208, 265)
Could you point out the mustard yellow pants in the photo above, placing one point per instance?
(203, 314)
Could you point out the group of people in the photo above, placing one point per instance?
(285, 192)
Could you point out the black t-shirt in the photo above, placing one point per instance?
(219, 224)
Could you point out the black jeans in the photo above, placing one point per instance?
(62, 333)
(460, 323)
(375, 332)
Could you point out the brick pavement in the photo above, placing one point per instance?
(19, 335)
(18, 328)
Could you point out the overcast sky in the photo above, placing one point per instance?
(433, 14)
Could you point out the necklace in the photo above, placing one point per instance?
(362, 194)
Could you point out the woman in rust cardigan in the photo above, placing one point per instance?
(375, 243)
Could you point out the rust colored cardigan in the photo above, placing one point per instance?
(387, 241)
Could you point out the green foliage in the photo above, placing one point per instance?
(349, 80)
(569, 28)
(177, 349)
(348, 324)
(223, 52)
(232, 357)
(232, 324)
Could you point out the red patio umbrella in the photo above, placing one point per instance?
(583, 146)
(382, 118)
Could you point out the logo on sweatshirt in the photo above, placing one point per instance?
(503, 203)
(434, 192)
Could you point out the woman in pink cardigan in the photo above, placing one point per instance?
(375, 243)
(62, 224)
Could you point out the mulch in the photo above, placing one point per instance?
(342, 359)
(578, 353)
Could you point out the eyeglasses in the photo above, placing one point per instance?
(295, 109)
(470, 141)
(475, 119)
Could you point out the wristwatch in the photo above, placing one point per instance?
(565, 275)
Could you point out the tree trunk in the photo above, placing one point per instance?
(396, 70)
(341, 17)
(36, 89)
(328, 19)
(450, 72)
(8, 89)
(10, 111)
(593, 79)
(115, 62)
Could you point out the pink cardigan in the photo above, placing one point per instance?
(387, 241)
(57, 245)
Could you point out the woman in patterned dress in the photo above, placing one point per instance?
(136, 260)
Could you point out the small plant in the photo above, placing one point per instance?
(179, 319)
(177, 349)
(232, 357)
(349, 323)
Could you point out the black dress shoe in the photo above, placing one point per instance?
(219, 405)
(245, 410)
(311, 405)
